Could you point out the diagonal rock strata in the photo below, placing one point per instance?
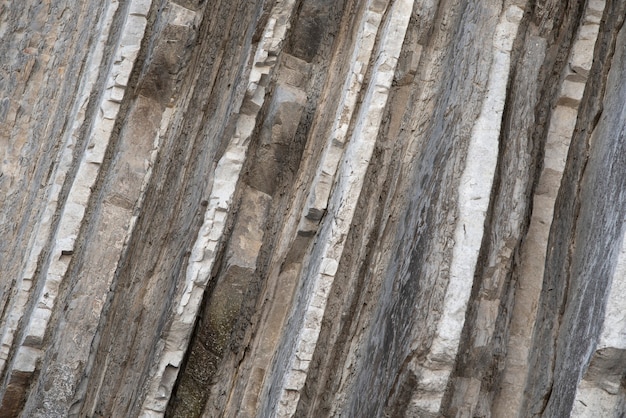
(312, 208)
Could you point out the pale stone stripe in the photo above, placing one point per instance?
(225, 180)
(474, 191)
(74, 209)
(534, 250)
(349, 182)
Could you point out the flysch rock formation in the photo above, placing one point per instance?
(313, 208)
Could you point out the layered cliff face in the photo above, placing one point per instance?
(313, 208)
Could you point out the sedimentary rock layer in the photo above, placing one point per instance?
(312, 208)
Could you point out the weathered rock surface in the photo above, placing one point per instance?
(356, 208)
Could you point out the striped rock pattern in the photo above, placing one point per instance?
(312, 208)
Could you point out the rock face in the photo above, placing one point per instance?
(313, 208)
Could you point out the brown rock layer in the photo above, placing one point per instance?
(311, 208)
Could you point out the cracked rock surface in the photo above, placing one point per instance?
(312, 208)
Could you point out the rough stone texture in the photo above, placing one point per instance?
(355, 208)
